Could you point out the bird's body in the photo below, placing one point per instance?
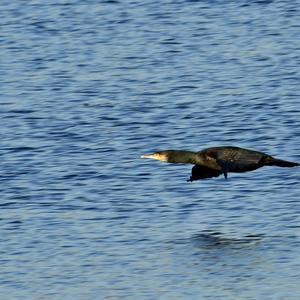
(212, 162)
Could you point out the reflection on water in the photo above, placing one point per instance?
(207, 239)
(213, 240)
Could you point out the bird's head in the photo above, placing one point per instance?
(173, 156)
(161, 156)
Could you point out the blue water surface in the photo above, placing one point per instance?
(89, 86)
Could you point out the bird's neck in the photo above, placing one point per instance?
(184, 157)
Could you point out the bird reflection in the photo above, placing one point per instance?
(211, 239)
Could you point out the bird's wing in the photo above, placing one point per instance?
(202, 172)
(233, 159)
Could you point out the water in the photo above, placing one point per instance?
(89, 86)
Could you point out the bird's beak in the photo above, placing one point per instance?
(153, 156)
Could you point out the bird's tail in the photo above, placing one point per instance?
(270, 161)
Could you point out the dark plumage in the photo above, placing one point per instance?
(212, 162)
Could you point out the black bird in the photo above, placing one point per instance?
(212, 162)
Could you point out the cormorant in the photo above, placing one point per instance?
(212, 162)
